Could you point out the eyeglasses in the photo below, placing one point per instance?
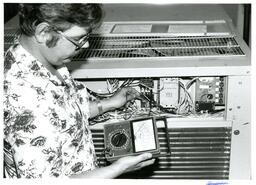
(79, 44)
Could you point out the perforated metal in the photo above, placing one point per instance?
(196, 153)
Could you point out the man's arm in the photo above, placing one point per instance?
(118, 100)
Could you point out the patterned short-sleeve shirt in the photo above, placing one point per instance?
(45, 120)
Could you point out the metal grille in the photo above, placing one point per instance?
(9, 35)
(151, 46)
(196, 153)
(130, 47)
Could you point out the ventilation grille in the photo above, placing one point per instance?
(151, 46)
(9, 35)
(130, 47)
(196, 153)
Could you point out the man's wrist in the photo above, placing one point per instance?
(105, 105)
(117, 168)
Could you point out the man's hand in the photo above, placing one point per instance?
(132, 163)
(118, 100)
(123, 96)
(123, 165)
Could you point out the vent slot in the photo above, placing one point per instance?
(196, 153)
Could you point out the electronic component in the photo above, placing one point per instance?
(131, 138)
(186, 96)
(146, 86)
(169, 92)
(209, 91)
(205, 106)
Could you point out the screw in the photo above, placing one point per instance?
(236, 132)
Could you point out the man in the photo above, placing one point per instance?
(45, 111)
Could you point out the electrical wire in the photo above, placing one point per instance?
(188, 85)
(185, 106)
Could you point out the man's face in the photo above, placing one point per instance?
(65, 49)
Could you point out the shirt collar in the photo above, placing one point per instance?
(34, 64)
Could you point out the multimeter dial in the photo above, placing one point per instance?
(119, 139)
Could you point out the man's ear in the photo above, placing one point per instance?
(42, 33)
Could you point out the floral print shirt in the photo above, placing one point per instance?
(45, 120)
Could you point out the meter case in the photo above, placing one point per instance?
(131, 137)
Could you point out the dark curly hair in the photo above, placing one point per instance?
(60, 15)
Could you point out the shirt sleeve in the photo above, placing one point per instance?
(84, 98)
